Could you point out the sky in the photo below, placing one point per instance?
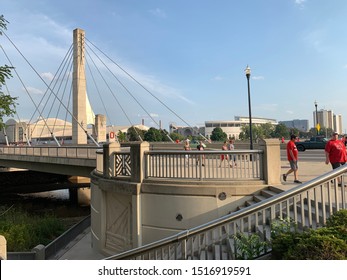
(191, 55)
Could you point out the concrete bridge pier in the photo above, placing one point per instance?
(80, 196)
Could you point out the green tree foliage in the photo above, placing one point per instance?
(7, 102)
(153, 135)
(135, 134)
(281, 131)
(121, 136)
(218, 134)
(176, 136)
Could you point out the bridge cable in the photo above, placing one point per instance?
(52, 92)
(20, 124)
(121, 107)
(127, 90)
(25, 87)
(161, 102)
(98, 91)
(55, 81)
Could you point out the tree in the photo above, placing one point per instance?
(153, 135)
(281, 131)
(122, 136)
(135, 134)
(7, 102)
(218, 134)
(176, 136)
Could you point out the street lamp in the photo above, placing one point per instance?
(315, 104)
(248, 75)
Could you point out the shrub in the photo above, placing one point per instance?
(338, 219)
(328, 243)
(249, 246)
(315, 246)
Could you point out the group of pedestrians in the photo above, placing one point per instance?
(228, 146)
(335, 154)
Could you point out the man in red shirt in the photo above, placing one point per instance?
(335, 152)
(292, 156)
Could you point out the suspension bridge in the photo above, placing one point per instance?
(165, 204)
(63, 112)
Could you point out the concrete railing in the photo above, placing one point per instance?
(138, 163)
(50, 151)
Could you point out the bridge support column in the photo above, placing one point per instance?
(80, 196)
(271, 161)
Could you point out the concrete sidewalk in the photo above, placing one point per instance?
(307, 171)
(80, 248)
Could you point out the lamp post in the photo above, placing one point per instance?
(315, 104)
(248, 75)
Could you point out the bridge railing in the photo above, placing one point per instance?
(204, 165)
(137, 162)
(50, 151)
(308, 205)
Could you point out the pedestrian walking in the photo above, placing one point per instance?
(201, 146)
(224, 156)
(335, 152)
(186, 147)
(292, 156)
(231, 147)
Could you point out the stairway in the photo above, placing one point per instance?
(266, 193)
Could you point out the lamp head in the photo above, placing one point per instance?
(248, 71)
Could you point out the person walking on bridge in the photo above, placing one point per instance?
(335, 152)
(292, 156)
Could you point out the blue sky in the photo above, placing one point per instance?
(192, 54)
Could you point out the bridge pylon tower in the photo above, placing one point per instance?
(79, 111)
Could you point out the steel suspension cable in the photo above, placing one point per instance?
(161, 102)
(114, 96)
(50, 90)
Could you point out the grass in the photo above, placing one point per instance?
(24, 231)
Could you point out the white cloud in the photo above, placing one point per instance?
(316, 39)
(300, 3)
(217, 78)
(258, 78)
(47, 76)
(154, 115)
(158, 13)
(32, 90)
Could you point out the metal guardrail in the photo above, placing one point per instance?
(308, 205)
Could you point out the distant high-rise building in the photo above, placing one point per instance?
(327, 119)
(301, 125)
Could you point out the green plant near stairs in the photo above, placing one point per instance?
(248, 247)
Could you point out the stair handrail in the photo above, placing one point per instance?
(331, 175)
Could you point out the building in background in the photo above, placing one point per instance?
(301, 125)
(186, 130)
(233, 128)
(327, 119)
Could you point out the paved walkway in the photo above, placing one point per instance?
(80, 248)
